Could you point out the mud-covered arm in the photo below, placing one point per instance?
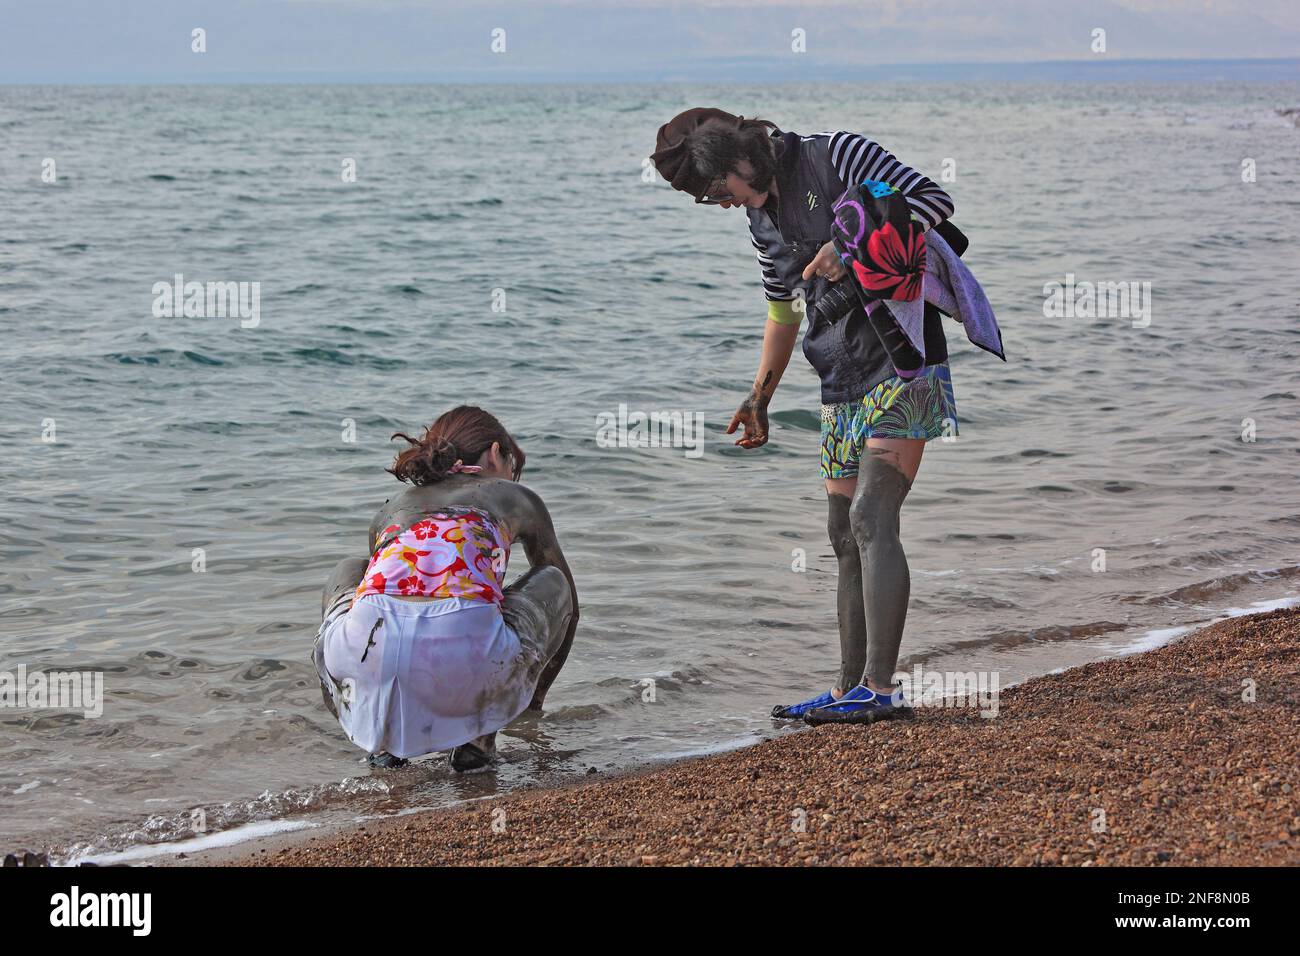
(780, 332)
(380, 521)
(535, 530)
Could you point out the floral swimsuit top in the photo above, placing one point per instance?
(460, 554)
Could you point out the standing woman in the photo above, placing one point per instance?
(422, 647)
(874, 423)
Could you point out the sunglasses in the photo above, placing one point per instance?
(716, 193)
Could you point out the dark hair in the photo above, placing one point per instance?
(465, 433)
(717, 147)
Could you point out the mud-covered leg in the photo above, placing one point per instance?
(886, 581)
(342, 583)
(344, 579)
(848, 602)
(539, 609)
(539, 606)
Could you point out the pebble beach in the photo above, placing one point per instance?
(1184, 755)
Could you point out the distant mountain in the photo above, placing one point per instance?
(137, 41)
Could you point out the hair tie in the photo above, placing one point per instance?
(461, 466)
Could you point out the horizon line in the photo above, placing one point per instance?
(421, 78)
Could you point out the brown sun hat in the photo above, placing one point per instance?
(673, 159)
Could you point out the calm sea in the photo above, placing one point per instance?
(174, 489)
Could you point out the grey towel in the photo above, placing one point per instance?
(950, 287)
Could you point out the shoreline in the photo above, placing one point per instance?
(1155, 758)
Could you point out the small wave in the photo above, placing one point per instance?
(1202, 591)
(986, 602)
(321, 356)
(1052, 490)
(800, 418)
(1042, 635)
(209, 427)
(199, 358)
(1159, 637)
(261, 669)
(160, 832)
(164, 356)
(1120, 487)
(427, 216)
(210, 841)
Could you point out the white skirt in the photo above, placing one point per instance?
(414, 677)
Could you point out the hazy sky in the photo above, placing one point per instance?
(78, 41)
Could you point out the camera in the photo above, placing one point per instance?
(836, 302)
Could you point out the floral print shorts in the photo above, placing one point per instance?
(920, 407)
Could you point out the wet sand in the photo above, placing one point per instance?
(1185, 771)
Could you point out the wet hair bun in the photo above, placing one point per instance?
(462, 434)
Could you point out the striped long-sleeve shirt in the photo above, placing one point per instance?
(857, 158)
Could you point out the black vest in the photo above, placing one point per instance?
(847, 355)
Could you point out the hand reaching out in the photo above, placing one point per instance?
(752, 414)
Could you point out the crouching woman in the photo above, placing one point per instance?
(422, 648)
